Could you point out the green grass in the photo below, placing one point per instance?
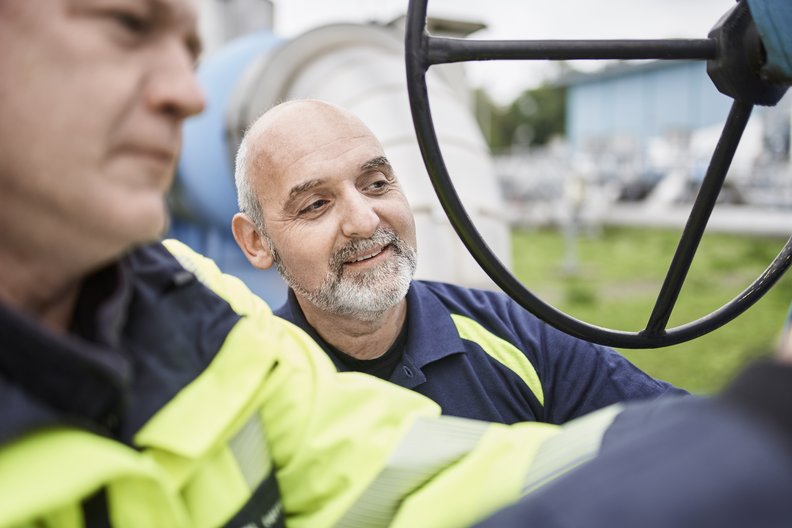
(618, 277)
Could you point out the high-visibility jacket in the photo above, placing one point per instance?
(223, 414)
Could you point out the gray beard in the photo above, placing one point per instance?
(367, 295)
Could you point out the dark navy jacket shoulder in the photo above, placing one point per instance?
(146, 327)
(469, 350)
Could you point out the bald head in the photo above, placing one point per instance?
(320, 201)
(283, 136)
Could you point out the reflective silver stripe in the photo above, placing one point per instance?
(431, 445)
(249, 447)
(578, 442)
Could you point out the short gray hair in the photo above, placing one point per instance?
(247, 200)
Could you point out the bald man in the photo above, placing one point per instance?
(320, 201)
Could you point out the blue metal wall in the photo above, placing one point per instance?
(205, 174)
(641, 101)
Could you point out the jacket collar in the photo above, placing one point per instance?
(291, 311)
(67, 377)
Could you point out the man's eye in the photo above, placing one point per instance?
(131, 22)
(379, 185)
(313, 207)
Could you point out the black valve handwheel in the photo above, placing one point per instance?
(733, 52)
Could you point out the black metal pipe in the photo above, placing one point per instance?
(443, 50)
(699, 216)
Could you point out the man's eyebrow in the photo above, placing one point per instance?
(380, 162)
(300, 189)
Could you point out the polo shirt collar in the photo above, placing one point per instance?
(431, 337)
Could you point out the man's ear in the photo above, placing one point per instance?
(251, 242)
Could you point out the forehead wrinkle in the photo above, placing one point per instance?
(284, 136)
(288, 144)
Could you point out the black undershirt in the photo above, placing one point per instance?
(381, 367)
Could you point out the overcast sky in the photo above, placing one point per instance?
(522, 19)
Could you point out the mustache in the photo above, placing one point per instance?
(381, 237)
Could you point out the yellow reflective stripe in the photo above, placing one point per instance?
(431, 445)
(578, 442)
(502, 351)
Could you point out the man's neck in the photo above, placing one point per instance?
(357, 338)
(43, 292)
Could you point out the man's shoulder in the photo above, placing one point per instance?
(159, 268)
(465, 300)
(152, 257)
(455, 291)
(153, 251)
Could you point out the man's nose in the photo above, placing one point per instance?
(172, 86)
(360, 219)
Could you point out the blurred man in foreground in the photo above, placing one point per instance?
(141, 387)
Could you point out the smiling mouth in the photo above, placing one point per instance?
(368, 256)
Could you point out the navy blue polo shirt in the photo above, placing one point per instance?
(480, 355)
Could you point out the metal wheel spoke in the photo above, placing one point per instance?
(444, 50)
(736, 306)
(699, 216)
